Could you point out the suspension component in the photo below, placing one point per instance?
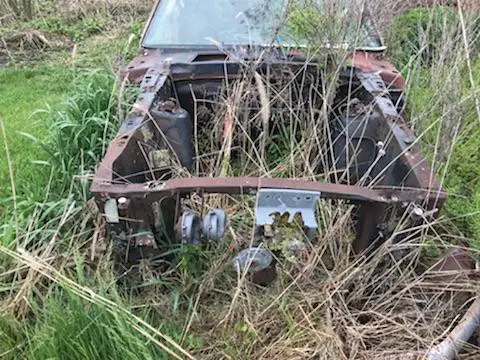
(214, 224)
(190, 228)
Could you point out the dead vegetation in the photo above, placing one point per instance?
(30, 45)
(90, 8)
(70, 10)
(26, 39)
(328, 307)
(60, 27)
(325, 304)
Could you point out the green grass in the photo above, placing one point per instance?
(60, 322)
(89, 331)
(76, 31)
(59, 115)
(23, 92)
(88, 318)
(62, 158)
(457, 161)
(427, 45)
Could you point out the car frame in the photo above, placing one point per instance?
(132, 204)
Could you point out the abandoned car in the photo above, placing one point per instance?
(234, 101)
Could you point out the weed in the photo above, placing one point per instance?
(90, 332)
(80, 132)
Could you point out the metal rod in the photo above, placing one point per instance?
(448, 348)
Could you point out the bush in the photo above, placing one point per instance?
(422, 33)
(442, 109)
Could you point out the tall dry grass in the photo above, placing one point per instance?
(326, 304)
(11, 10)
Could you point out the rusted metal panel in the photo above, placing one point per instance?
(249, 186)
(369, 219)
(377, 62)
(239, 186)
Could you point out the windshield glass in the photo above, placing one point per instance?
(236, 22)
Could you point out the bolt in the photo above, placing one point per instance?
(417, 212)
(409, 140)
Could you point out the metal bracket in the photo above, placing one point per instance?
(291, 202)
(111, 211)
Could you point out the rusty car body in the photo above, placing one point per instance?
(151, 166)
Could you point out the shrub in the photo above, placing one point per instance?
(421, 32)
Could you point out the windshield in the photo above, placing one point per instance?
(236, 22)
